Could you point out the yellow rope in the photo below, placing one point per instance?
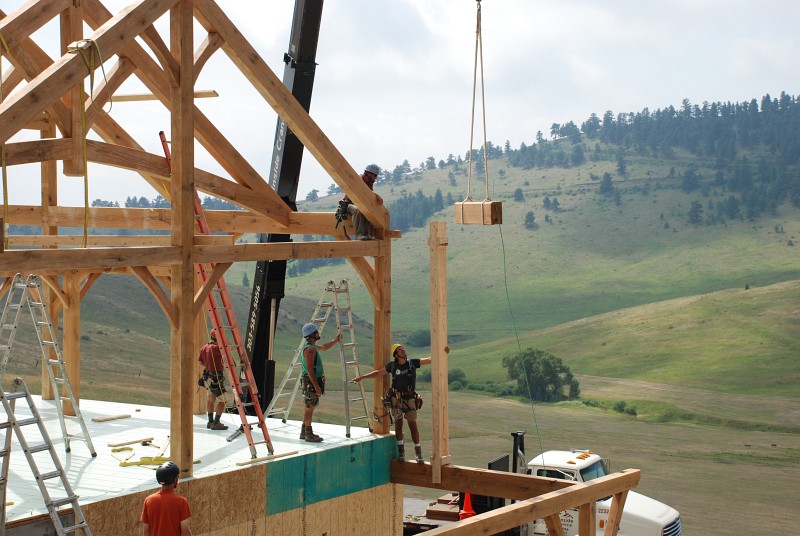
(3, 154)
(88, 55)
(478, 49)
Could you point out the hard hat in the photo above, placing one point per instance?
(395, 346)
(373, 168)
(309, 329)
(167, 473)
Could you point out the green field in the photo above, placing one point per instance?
(696, 327)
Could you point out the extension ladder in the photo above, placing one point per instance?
(54, 468)
(29, 291)
(226, 328)
(334, 299)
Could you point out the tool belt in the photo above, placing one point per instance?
(399, 400)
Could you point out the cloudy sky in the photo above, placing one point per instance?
(394, 80)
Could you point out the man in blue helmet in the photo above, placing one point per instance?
(313, 378)
(165, 513)
(362, 226)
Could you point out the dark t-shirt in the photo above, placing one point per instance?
(404, 377)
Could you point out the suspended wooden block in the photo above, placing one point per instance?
(479, 212)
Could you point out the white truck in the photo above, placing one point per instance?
(642, 516)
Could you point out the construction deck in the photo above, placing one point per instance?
(101, 478)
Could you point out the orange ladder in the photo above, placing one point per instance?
(223, 321)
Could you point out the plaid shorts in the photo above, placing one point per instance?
(310, 395)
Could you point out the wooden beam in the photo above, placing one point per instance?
(615, 515)
(42, 261)
(71, 20)
(247, 59)
(110, 240)
(210, 44)
(207, 134)
(382, 320)
(72, 340)
(23, 106)
(141, 97)
(478, 481)
(22, 23)
(182, 195)
(201, 295)
(161, 51)
(587, 519)
(158, 292)
(289, 250)
(437, 244)
(543, 506)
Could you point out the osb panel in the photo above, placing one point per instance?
(240, 494)
(119, 515)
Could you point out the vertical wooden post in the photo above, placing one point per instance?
(72, 337)
(383, 331)
(182, 380)
(587, 519)
(437, 242)
(71, 31)
(49, 200)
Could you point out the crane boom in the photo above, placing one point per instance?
(284, 177)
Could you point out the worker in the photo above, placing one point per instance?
(313, 378)
(165, 513)
(402, 398)
(213, 380)
(361, 225)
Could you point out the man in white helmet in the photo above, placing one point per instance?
(313, 378)
(362, 226)
(402, 398)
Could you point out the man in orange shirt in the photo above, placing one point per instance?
(165, 513)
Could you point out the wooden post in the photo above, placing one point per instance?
(200, 337)
(437, 242)
(49, 199)
(71, 32)
(182, 380)
(72, 337)
(383, 331)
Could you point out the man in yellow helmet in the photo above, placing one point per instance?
(404, 400)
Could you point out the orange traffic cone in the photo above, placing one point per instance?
(467, 511)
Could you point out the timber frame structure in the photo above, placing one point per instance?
(47, 95)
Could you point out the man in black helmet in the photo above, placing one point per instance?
(165, 513)
(362, 227)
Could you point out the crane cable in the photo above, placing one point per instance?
(478, 53)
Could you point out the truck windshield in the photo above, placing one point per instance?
(596, 470)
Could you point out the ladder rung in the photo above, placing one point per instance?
(39, 448)
(49, 344)
(53, 362)
(26, 422)
(9, 326)
(55, 503)
(80, 526)
(275, 411)
(359, 399)
(358, 418)
(15, 395)
(43, 324)
(48, 476)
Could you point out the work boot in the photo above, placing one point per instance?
(311, 437)
(418, 452)
(401, 453)
(302, 432)
(216, 425)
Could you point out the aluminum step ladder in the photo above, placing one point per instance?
(226, 328)
(348, 357)
(28, 291)
(334, 301)
(54, 470)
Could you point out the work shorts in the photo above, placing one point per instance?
(215, 384)
(310, 395)
(403, 404)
